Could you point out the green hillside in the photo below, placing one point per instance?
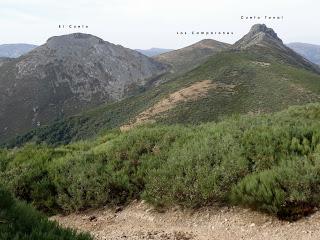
(269, 162)
(256, 80)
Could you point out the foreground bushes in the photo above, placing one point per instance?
(20, 221)
(269, 162)
(289, 190)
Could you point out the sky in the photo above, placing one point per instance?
(154, 23)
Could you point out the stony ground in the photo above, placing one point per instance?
(140, 221)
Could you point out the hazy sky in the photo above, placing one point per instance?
(154, 23)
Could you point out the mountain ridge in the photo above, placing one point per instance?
(189, 57)
(15, 50)
(309, 51)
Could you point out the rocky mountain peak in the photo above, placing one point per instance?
(259, 34)
(74, 37)
(262, 36)
(262, 28)
(67, 75)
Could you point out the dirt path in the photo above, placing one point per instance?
(140, 221)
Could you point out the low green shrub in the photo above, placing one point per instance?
(197, 173)
(19, 221)
(290, 190)
(113, 172)
(26, 175)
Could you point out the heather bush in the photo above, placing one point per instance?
(199, 172)
(20, 221)
(290, 190)
(26, 175)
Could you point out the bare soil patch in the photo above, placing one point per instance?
(141, 221)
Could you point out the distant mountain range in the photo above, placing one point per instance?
(15, 50)
(206, 81)
(309, 51)
(153, 51)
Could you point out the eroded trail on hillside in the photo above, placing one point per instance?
(140, 221)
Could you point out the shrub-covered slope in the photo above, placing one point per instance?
(19, 221)
(269, 162)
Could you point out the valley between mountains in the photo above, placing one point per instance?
(210, 141)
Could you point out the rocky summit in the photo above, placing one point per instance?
(259, 34)
(261, 38)
(66, 75)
